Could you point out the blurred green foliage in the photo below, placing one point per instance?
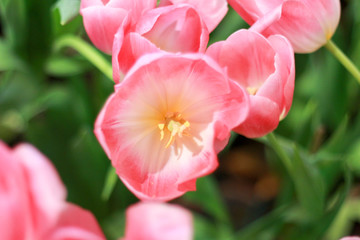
(50, 97)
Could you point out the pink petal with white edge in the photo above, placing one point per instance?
(265, 68)
(248, 10)
(127, 51)
(47, 191)
(285, 52)
(173, 29)
(136, 8)
(75, 223)
(101, 24)
(327, 12)
(263, 118)
(212, 12)
(247, 56)
(251, 11)
(159, 85)
(299, 24)
(308, 24)
(158, 221)
(176, 28)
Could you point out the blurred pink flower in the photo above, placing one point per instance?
(167, 120)
(32, 200)
(158, 221)
(265, 68)
(176, 28)
(308, 24)
(102, 18)
(350, 238)
(211, 11)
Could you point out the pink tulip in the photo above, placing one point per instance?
(212, 11)
(350, 238)
(32, 200)
(167, 120)
(265, 68)
(158, 221)
(102, 18)
(176, 28)
(308, 24)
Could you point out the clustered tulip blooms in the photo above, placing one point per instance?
(176, 101)
(174, 105)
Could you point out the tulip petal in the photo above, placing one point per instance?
(287, 64)
(76, 223)
(158, 84)
(212, 12)
(101, 24)
(263, 118)
(297, 23)
(126, 52)
(308, 24)
(15, 218)
(175, 29)
(247, 71)
(265, 68)
(136, 8)
(172, 29)
(47, 191)
(327, 12)
(158, 221)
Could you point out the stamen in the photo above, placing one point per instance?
(251, 90)
(175, 125)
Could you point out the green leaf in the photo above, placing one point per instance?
(264, 228)
(309, 185)
(353, 159)
(349, 213)
(335, 143)
(8, 60)
(208, 197)
(206, 229)
(68, 9)
(316, 229)
(114, 225)
(110, 182)
(64, 66)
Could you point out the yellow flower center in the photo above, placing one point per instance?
(251, 90)
(174, 124)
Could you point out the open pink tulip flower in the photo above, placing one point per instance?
(175, 28)
(32, 200)
(102, 18)
(212, 11)
(308, 24)
(158, 221)
(166, 122)
(265, 68)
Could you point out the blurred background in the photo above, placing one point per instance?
(50, 95)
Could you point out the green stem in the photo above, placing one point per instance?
(343, 59)
(110, 182)
(87, 51)
(279, 151)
